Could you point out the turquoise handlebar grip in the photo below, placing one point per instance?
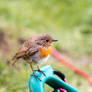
(36, 85)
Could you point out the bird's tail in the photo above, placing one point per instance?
(15, 60)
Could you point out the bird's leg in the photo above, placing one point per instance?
(34, 73)
(32, 68)
(40, 70)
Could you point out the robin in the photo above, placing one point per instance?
(35, 50)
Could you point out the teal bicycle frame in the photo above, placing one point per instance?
(36, 85)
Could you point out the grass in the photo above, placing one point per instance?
(68, 21)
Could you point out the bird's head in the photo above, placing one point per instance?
(45, 40)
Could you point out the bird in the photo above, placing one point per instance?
(35, 50)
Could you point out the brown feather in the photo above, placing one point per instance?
(31, 46)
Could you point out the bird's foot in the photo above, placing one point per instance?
(36, 76)
(40, 72)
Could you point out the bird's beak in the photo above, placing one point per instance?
(54, 40)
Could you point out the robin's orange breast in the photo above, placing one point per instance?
(45, 52)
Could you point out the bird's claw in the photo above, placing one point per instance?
(40, 72)
(36, 76)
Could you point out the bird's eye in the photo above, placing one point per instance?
(47, 40)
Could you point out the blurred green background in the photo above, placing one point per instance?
(69, 21)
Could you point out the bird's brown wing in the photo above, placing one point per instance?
(28, 48)
(20, 53)
(24, 53)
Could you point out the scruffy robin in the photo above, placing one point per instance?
(35, 50)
